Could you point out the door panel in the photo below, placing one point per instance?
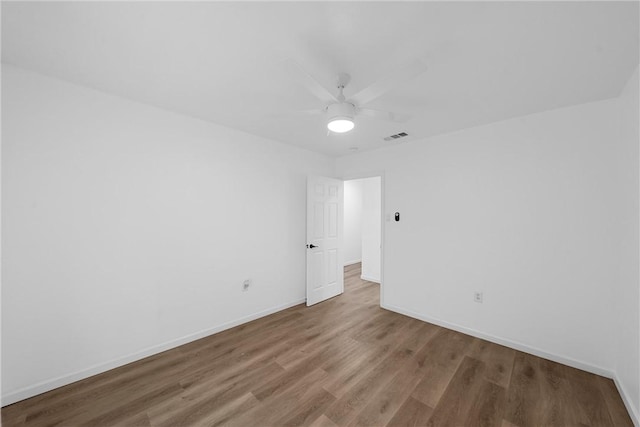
(325, 277)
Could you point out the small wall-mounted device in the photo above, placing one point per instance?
(397, 216)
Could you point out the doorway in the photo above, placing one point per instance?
(363, 226)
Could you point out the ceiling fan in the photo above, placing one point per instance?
(339, 110)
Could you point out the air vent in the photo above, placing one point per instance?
(396, 136)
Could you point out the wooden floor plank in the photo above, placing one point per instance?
(592, 403)
(615, 405)
(525, 396)
(323, 421)
(310, 408)
(345, 409)
(411, 413)
(345, 361)
(432, 385)
(446, 349)
(287, 400)
(355, 370)
(454, 406)
(487, 409)
(198, 404)
(384, 404)
(498, 360)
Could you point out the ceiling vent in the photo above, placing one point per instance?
(396, 136)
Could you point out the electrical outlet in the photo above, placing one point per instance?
(245, 285)
(477, 297)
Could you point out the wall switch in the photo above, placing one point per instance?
(477, 297)
(245, 285)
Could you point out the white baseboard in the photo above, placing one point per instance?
(370, 278)
(631, 409)
(48, 385)
(347, 263)
(506, 342)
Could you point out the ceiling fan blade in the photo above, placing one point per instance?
(384, 115)
(382, 86)
(308, 81)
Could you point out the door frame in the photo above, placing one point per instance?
(383, 220)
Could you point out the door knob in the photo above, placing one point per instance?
(311, 246)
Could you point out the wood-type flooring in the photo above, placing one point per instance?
(342, 362)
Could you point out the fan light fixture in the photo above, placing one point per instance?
(340, 125)
(340, 117)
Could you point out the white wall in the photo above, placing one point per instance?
(128, 229)
(371, 231)
(626, 310)
(352, 221)
(524, 210)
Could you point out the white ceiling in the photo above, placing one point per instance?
(223, 61)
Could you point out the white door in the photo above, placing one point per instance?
(325, 276)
